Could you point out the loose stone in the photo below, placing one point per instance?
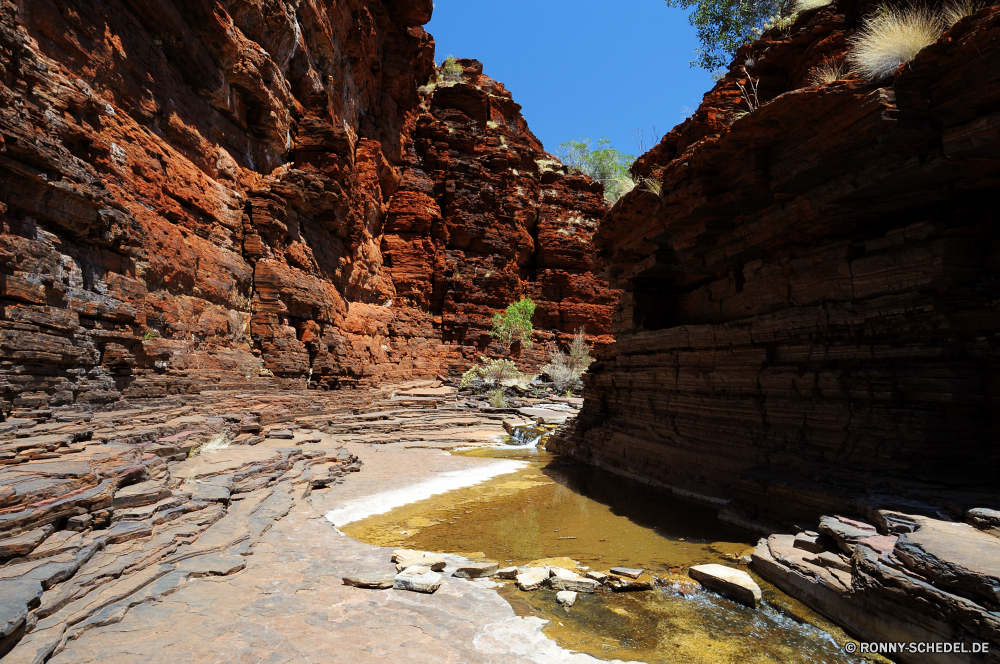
(476, 570)
(532, 578)
(735, 584)
(379, 580)
(627, 571)
(566, 597)
(417, 579)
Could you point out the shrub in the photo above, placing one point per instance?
(497, 397)
(514, 323)
(450, 69)
(491, 374)
(725, 25)
(565, 369)
(890, 37)
(152, 334)
(605, 164)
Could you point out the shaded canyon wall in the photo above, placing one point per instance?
(812, 310)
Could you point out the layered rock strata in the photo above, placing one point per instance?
(484, 216)
(810, 322)
(194, 195)
(103, 515)
(913, 580)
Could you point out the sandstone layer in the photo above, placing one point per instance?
(243, 193)
(912, 580)
(810, 323)
(134, 536)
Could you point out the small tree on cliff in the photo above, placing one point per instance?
(514, 323)
(605, 164)
(725, 25)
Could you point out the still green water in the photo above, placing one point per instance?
(554, 509)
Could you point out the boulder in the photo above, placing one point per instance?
(419, 579)
(566, 597)
(563, 579)
(735, 584)
(532, 578)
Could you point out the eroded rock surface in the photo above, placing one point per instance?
(917, 580)
(188, 553)
(245, 194)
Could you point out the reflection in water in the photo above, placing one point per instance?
(602, 520)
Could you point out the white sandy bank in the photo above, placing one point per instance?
(380, 503)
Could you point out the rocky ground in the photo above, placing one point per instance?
(195, 528)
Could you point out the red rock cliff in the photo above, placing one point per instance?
(484, 216)
(811, 320)
(193, 195)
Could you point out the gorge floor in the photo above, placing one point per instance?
(552, 509)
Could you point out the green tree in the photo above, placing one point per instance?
(725, 25)
(514, 323)
(605, 164)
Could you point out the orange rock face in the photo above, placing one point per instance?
(198, 195)
(484, 216)
(810, 317)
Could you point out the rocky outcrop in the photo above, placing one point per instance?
(484, 216)
(911, 581)
(195, 195)
(810, 322)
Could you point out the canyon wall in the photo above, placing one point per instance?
(812, 309)
(255, 193)
(484, 216)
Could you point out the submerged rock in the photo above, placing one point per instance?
(566, 597)
(735, 584)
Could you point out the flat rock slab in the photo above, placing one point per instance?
(620, 585)
(476, 570)
(377, 580)
(508, 573)
(545, 414)
(627, 571)
(954, 555)
(281, 434)
(735, 584)
(25, 543)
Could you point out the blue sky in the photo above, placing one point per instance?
(581, 67)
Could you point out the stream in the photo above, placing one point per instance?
(552, 509)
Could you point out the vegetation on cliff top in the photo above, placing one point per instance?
(605, 164)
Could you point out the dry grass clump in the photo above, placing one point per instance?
(953, 12)
(892, 36)
(653, 186)
(828, 72)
